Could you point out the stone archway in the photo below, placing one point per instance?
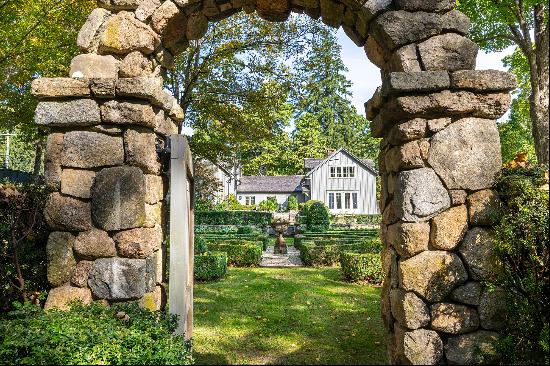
(439, 156)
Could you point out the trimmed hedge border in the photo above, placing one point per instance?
(258, 218)
(224, 239)
(329, 255)
(210, 266)
(362, 267)
(243, 254)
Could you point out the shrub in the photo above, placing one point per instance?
(292, 203)
(256, 218)
(317, 216)
(91, 335)
(329, 255)
(522, 245)
(200, 245)
(270, 205)
(243, 254)
(216, 229)
(221, 239)
(245, 230)
(23, 237)
(359, 267)
(210, 266)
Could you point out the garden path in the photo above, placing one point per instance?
(291, 259)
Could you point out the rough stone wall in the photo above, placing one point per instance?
(439, 156)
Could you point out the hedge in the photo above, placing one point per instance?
(210, 266)
(359, 267)
(258, 218)
(339, 237)
(216, 229)
(345, 220)
(91, 335)
(221, 239)
(244, 254)
(329, 255)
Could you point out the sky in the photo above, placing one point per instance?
(366, 77)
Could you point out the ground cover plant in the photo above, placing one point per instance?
(94, 334)
(282, 316)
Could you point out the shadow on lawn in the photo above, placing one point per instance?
(298, 316)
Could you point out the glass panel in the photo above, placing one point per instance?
(338, 201)
(347, 199)
(354, 200)
(253, 200)
(339, 172)
(331, 201)
(333, 172)
(352, 172)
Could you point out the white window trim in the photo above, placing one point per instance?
(339, 172)
(343, 208)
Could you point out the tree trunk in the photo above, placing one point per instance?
(539, 85)
(539, 116)
(39, 149)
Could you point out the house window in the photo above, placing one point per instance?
(342, 172)
(250, 200)
(347, 201)
(331, 201)
(343, 200)
(338, 201)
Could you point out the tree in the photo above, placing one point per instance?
(207, 185)
(515, 133)
(325, 95)
(38, 40)
(498, 24)
(232, 82)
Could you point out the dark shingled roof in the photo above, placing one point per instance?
(264, 184)
(310, 163)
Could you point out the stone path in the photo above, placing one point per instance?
(291, 259)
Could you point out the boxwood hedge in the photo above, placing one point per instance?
(210, 266)
(256, 218)
(362, 267)
(315, 255)
(241, 253)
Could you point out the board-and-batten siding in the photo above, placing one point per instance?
(364, 183)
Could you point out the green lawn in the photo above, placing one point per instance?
(287, 316)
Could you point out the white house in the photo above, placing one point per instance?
(346, 184)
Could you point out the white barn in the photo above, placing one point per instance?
(345, 184)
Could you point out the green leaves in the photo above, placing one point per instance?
(91, 335)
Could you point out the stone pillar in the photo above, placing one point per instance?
(439, 157)
(107, 181)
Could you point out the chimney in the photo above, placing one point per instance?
(330, 152)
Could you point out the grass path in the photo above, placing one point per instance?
(287, 316)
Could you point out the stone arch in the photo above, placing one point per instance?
(438, 158)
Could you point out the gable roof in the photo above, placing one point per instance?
(367, 164)
(266, 184)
